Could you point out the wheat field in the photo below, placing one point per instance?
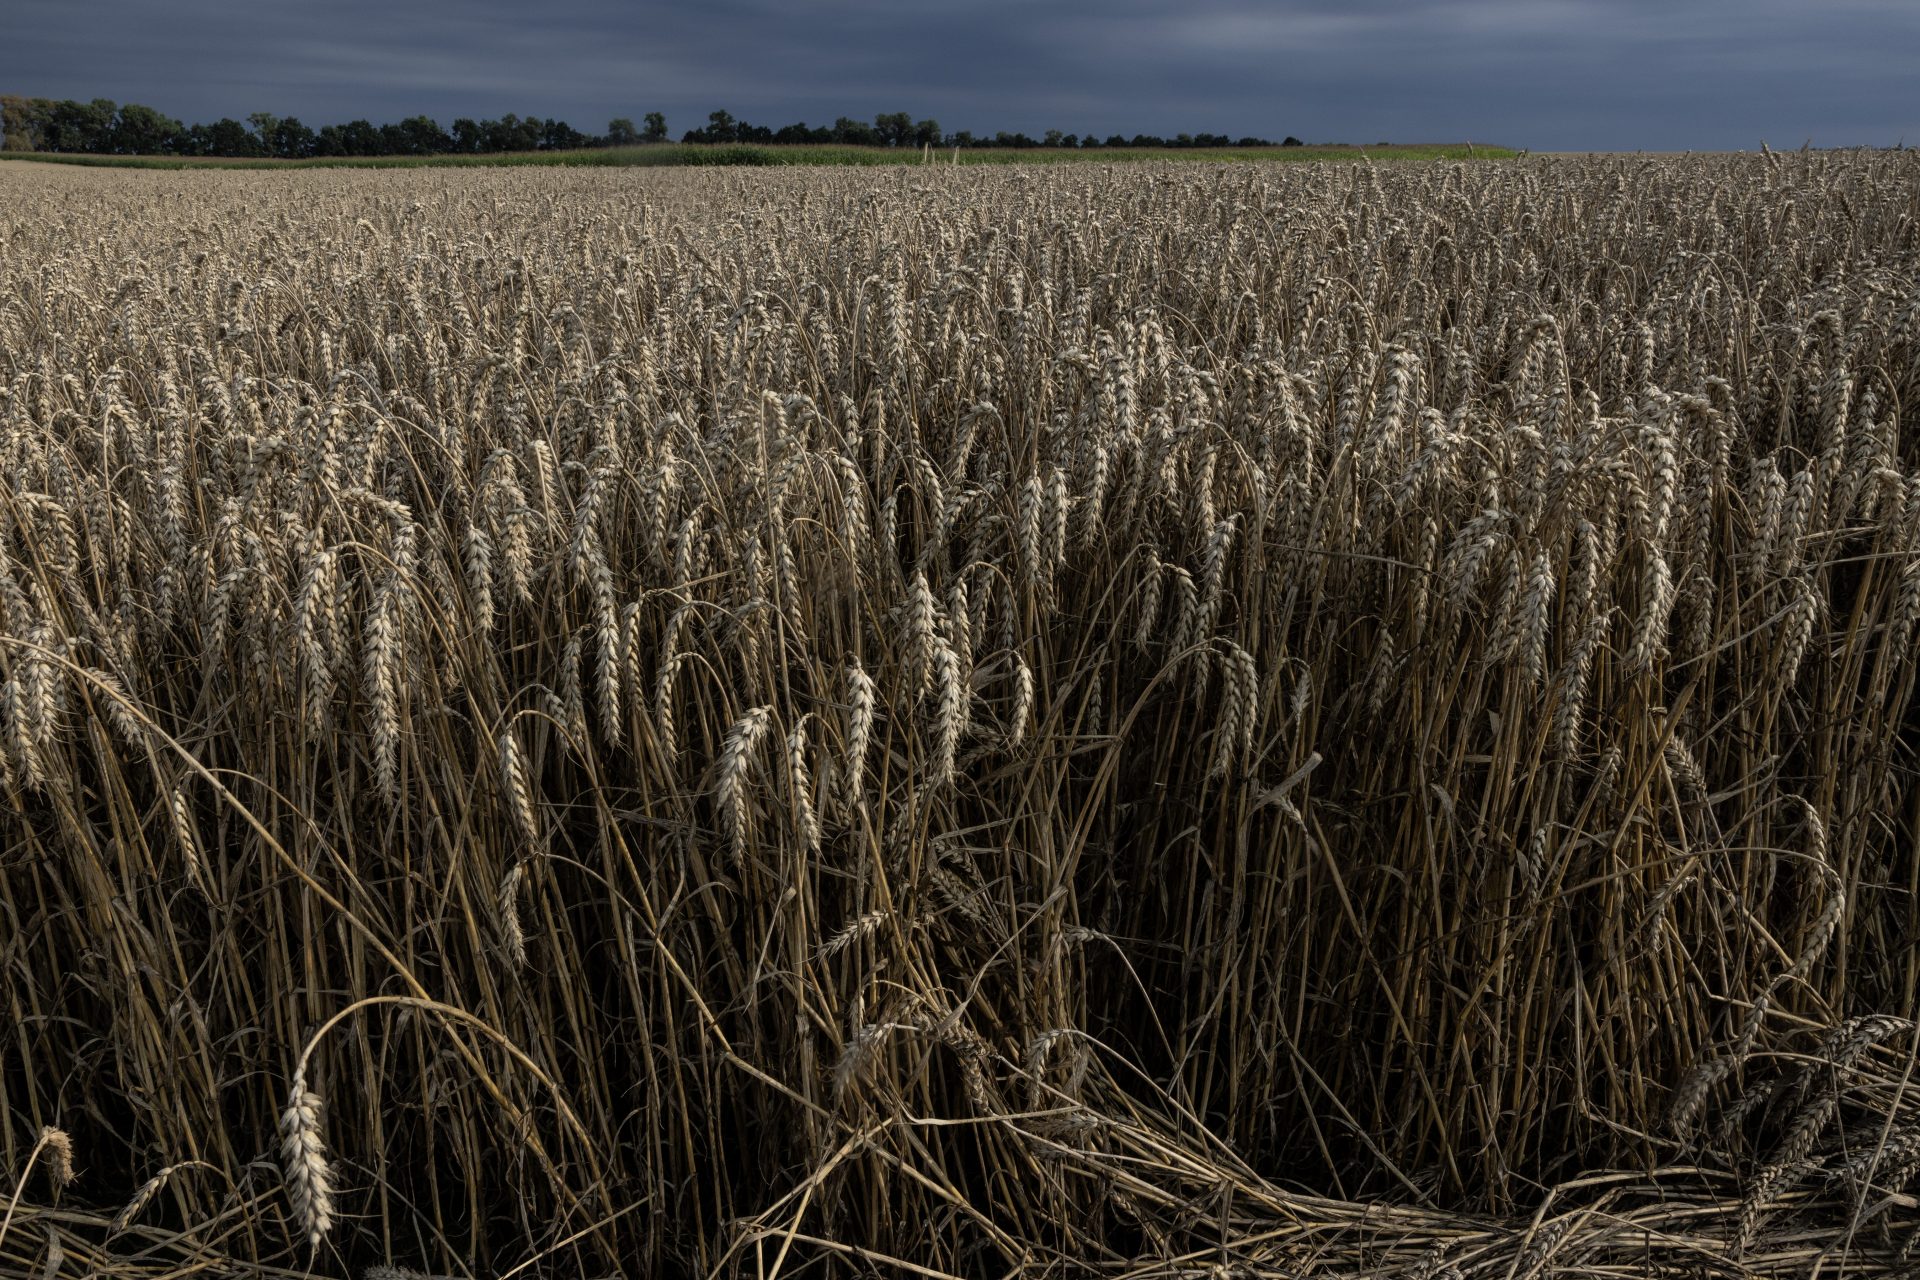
(1140, 721)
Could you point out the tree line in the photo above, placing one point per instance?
(899, 129)
(101, 127)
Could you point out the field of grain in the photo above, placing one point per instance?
(1146, 721)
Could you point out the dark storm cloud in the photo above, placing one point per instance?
(1539, 73)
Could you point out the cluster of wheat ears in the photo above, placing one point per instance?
(1154, 721)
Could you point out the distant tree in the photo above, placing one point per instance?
(855, 133)
(926, 133)
(23, 120)
(893, 129)
(100, 115)
(359, 138)
(510, 133)
(558, 135)
(721, 127)
(79, 126)
(422, 136)
(621, 133)
(1115, 140)
(1054, 138)
(962, 138)
(292, 140)
(228, 137)
(466, 135)
(262, 123)
(142, 131)
(1291, 141)
(656, 128)
(1072, 140)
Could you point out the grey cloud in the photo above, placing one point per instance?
(1654, 74)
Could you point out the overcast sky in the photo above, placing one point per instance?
(1545, 74)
